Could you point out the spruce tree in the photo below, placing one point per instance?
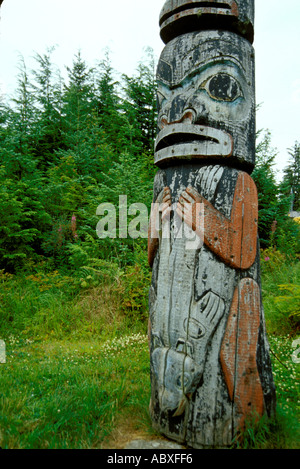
(48, 101)
(292, 176)
(272, 204)
(140, 102)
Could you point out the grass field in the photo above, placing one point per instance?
(69, 395)
(77, 369)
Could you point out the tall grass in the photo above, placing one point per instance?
(77, 366)
(50, 305)
(277, 270)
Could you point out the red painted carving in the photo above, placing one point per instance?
(234, 240)
(238, 352)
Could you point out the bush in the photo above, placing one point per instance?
(280, 274)
(289, 303)
(134, 290)
(272, 259)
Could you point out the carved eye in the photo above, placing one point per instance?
(223, 87)
(183, 381)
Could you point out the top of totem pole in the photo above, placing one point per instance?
(183, 16)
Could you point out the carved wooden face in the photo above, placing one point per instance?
(177, 375)
(206, 104)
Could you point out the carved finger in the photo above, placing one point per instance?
(180, 203)
(191, 191)
(187, 197)
(186, 209)
(211, 306)
(185, 200)
(167, 193)
(180, 210)
(167, 199)
(165, 206)
(165, 213)
(209, 303)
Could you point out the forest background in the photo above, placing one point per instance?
(68, 145)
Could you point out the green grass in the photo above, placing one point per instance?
(279, 271)
(282, 432)
(69, 395)
(77, 365)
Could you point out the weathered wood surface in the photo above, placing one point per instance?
(210, 364)
(193, 315)
(206, 90)
(182, 16)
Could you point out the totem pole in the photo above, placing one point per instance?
(209, 354)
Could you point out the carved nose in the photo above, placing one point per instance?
(188, 117)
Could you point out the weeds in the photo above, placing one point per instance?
(283, 430)
(77, 364)
(281, 311)
(54, 395)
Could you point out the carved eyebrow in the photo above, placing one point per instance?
(165, 73)
(225, 60)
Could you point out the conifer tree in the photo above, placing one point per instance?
(292, 176)
(272, 204)
(140, 102)
(80, 117)
(48, 102)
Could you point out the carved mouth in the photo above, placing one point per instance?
(178, 138)
(187, 141)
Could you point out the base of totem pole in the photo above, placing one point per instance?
(171, 443)
(153, 444)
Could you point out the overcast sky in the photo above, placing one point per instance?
(127, 27)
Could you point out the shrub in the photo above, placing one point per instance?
(289, 303)
(277, 270)
(134, 289)
(272, 259)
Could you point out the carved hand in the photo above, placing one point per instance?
(188, 207)
(234, 240)
(165, 208)
(162, 205)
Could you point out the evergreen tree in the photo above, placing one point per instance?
(65, 149)
(108, 106)
(272, 204)
(82, 135)
(48, 119)
(17, 129)
(291, 177)
(140, 102)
